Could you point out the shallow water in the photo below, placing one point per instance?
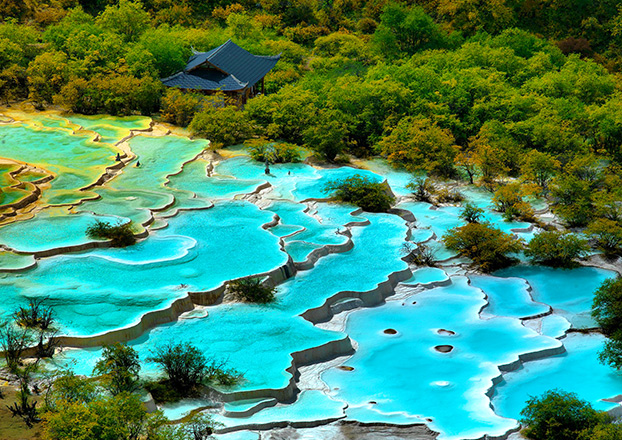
(201, 235)
(384, 364)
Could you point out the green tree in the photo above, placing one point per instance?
(263, 150)
(127, 18)
(327, 134)
(367, 106)
(606, 127)
(185, 366)
(607, 311)
(539, 168)
(114, 94)
(47, 74)
(572, 198)
(420, 144)
(557, 249)
(223, 126)
(361, 191)
(471, 213)
(471, 16)
(607, 431)
(488, 247)
(284, 115)
(557, 415)
(403, 31)
(120, 367)
(490, 160)
(508, 199)
(607, 307)
(608, 235)
(169, 48)
(465, 161)
(252, 290)
(609, 204)
(180, 107)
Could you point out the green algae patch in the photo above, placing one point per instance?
(75, 160)
(111, 129)
(12, 262)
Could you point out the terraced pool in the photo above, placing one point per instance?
(356, 332)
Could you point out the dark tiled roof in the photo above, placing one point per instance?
(204, 79)
(234, 60)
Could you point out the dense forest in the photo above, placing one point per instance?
(478, 90)
(522, 97)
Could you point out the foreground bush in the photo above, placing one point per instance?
(252, 290)
(362, 192)
(557, 415)
(120, 234)
(488, 247)
(75, 408)
(557, 249)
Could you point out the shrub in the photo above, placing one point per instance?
(47, 344)
(35, 315)
(187, 368)
(557, 249)
(24, 408)
(13, 342)
(69, 388)
(200, 427)
(471, 213)
(488, 247)
(362, 192)
(252, 290)
(446, 195)
(185, 365)
(419, 254)
(120, 366)
(120, 234)
(558, 415)
(422, 189)
(263, 150)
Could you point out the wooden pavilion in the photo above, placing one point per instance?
(228, 68)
